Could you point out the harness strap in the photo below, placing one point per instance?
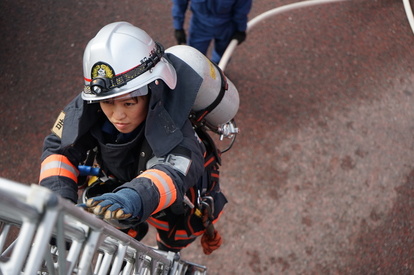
(199, 115)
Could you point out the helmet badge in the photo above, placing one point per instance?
(104, 78)
(102, 74)
(101, 69)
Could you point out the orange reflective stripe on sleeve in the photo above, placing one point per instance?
(58, 165)
(165, 186)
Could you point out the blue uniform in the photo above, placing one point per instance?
(212, 19)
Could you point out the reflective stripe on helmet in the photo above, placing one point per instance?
(58, 165)
(165, 186)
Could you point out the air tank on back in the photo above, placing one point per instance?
(211, 86)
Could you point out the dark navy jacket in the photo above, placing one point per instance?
(166, 128)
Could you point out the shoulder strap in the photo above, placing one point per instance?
(210, 145)
(199, 115)
(212, 161)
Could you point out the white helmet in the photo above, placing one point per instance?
(122, 59)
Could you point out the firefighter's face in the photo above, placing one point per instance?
(126, 114)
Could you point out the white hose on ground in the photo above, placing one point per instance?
(233, 44)
(409, 12)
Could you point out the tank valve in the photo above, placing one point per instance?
(228, 130)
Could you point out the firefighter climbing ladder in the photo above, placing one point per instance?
(82, 243)
(95, 247)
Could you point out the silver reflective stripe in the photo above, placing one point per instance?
(167, 190)
(179, 163)
(59, 164)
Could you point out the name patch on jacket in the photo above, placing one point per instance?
(58, 126)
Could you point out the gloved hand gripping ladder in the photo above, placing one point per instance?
(84, 243)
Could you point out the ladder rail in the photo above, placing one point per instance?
(57, 237)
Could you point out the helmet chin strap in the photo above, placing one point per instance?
(102, 85)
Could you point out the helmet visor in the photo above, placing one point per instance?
(136, 93)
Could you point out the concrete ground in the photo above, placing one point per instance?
(321, 177)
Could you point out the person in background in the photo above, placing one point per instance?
(134, 114)
(212, 20)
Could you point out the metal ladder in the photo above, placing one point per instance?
(56, 237)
